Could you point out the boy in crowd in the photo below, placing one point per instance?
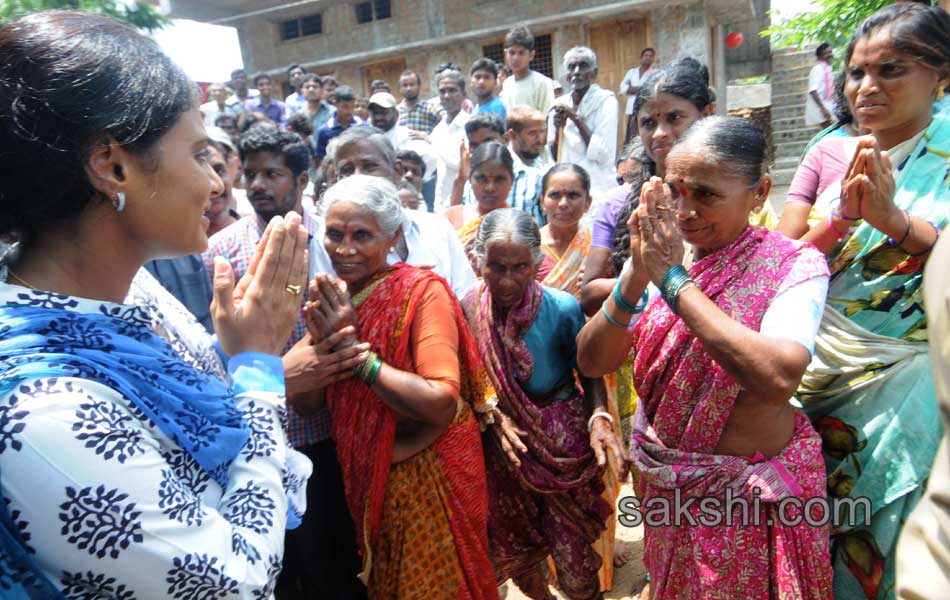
(484, 73)
(345, 102)
(271, 108)
(525, 87)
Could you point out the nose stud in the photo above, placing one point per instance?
(692, 214)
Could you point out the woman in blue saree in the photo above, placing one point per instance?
(869, 389)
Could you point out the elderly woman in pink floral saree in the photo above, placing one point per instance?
(720, 349)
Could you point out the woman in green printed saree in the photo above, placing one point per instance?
(869, 389)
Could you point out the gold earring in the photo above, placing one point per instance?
(941, 92)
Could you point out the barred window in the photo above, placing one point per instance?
(292, 29)
(373, 10)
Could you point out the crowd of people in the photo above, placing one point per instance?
(343, 347)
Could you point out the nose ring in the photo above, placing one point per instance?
(692, 213)
(341, 250)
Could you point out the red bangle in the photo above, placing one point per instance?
(839, 235)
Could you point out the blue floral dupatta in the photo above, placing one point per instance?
(117, 349)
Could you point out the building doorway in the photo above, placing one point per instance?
(618, 46)
(388, 70)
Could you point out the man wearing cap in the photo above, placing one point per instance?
(384, 115)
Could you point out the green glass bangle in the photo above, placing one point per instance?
(675, 272)
(370, 378)
(610, 319)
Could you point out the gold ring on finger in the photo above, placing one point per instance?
(293, 290)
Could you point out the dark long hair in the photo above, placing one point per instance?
(685, 78)
(70, 81)
(916, 29)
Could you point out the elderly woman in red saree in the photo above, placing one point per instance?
(548, 436)
(720, 350)
(407, 439)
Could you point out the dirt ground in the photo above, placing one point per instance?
(628, 579)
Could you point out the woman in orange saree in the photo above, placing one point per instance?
(408, 443)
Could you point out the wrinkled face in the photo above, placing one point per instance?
(409, 199)
(412, 172)
(518, 57)
(296, 76)
(483, 84)
(661, 122)
(721, 199)
(508, 270)
(887, 88)
(361, 157)
(491, 183)
(220, 202)
(312, 91)
(483, 136)
(647, 59)
(580, 73)
(627, 171)
(271, 187)
(451, 96)
(166, 205)
(529, 142)
(217, 92)
(361, 108)
(383, 118)
(564, 200)
(355, 243)
(409, 85)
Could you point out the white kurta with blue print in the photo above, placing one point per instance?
(113, 508)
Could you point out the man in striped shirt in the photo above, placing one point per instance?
(527, 141)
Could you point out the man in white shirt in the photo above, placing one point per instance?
(820, 104)
(525, 87)
(384, 115)
(583, 125)
(631, 85)
(448, 137)
(428, 239)
(217, 104)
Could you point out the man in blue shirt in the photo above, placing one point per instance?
(484, 73)
(273, 109)
(345, 101)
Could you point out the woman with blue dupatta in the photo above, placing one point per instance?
(127, 471)
(869, 389)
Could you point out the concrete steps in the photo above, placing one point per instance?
(802, 134)
(790, 135)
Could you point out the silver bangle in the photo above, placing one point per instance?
(596, 415)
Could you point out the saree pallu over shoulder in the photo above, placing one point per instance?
(869, 387)
(685, 400)
(686, 395)
(564, 274)
(364, 429)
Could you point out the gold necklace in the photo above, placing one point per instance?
(10, 273)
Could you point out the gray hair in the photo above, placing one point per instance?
(375, 195)
(452, 74)
(581, 52)
(508, 225)
(371, 134)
